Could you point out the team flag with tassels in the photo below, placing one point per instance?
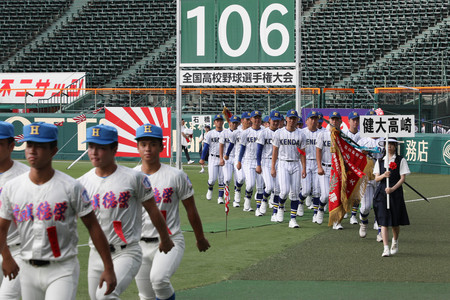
(226, 113)
(350, 172)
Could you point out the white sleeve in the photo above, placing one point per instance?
(376, 168)
(319, 142)
(144, 188)
(404, 168)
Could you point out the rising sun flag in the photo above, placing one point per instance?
(350, 172)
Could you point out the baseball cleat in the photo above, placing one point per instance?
(247, 204)
(300, 211)
(271, 200)
(273, 218)
(220, 200)
(319, 218)
(353, 220)
(345, 216)
(362, 230)
(337, 226)
(202, 171)
(190, 162)
(209, 195)
(314, 219)
(375, 225)
(280, 214)
(394, 247)
(263, 208)
(258, 213)
(385, 252)
(237, 196)
(236, 204)
(293, 223)
(379, 238)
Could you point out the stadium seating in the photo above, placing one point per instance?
(22, 20)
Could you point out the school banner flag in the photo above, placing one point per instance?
(350, 172)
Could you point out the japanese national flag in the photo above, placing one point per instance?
(97, 110)
(59, 123)
(80, 119)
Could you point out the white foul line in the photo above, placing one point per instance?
(421, 199)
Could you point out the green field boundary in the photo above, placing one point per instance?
(264, 289)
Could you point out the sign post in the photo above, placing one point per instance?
(387, 126)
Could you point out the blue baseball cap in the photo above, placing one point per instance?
(235, 118)
(320, 117)
(353, 115)
(313, 114)
(255, 113)
(40, 132)
(149, 130)
(101, 134)
(218, 117)
(292, 113)
(245, 115)
(300, 120)
(6, 130)
(275, 115)
(266, 119)
(335, 114)
(371, 113)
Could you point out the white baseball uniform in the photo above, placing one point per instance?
(248, 140)
(367, 200)
(170, 186)
(324, 142)
(265, 138)
(239, 175)
(10, 289)
(215, 171)
(225, 139)
(116, 200)
(289, 167)
(46, 217)
(310, 184)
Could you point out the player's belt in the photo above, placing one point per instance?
(289, 160)
(326, 165)
(38, 262)
(113, 249)
(214, 155)
(150, 239)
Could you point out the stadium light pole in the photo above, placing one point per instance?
(178, 88)
(298, 62)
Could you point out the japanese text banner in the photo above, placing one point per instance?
(394, 125)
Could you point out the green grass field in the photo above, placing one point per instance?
(257, 259)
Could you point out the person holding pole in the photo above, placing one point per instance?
(389, 204)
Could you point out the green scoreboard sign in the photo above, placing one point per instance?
(231, 32)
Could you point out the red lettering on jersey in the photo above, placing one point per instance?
(167, 195)
(123, 199)
(109, 200)
(157, 195)
(58, 212)
(44, 211)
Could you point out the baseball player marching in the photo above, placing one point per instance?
(310, 184)
(247, 161)
(286, 141)
(215, 171)
(9, 169)
(235, 140)
(170, 186)
(353, 133)
(45, 203)
(116, 193)
(227, 161)
(264, 162)
(323, 158)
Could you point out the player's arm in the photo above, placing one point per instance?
(229, 149)
(221, 146)
(303, 160)
(101, 244)
(273, 170)
(204, 152)
(196, 223)
(9, 266)
(259, 151)
(241, 155)
(320, 170)
(165, 243)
